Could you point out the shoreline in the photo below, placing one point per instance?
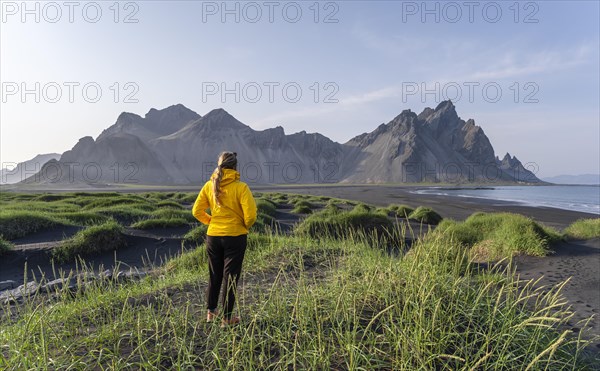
(452, 207)
(576, 261)
(448, 206)
(443, 191)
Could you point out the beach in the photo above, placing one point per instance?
(458, 208)
(575, 261)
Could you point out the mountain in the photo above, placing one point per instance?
(18, 172)
(177, 146)
(267, 156)
(585, 179)
(434, 146)
(154, 124)
(515, 169)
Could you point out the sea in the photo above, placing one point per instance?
(585, 198)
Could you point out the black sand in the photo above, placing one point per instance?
(578, 261)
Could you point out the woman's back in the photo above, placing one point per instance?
(233, 212)
(236, 210)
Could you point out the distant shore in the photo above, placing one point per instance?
(453, 207)
(458, 208)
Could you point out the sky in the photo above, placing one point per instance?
(526, 72)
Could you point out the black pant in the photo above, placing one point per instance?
(225, 258)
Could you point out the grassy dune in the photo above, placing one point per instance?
(328, 303)
(493, 236)
(584, 229)
(103, 237)
(327, 296)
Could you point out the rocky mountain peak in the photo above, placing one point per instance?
(85, 141)
(445, 113)
(221, 119)
(154, 124)
(127, 118)
(174, 112)
(510, 161)
(446, 105)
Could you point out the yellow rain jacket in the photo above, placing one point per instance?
(237, 212)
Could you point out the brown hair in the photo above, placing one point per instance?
(227, 160)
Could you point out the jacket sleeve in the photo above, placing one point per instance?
(201, 204)
(248, 207)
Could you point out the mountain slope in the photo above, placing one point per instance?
(22, 170)
(267, 156)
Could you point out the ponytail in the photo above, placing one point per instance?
(227, 160)
(216, 183)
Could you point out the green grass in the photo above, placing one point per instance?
(124, 214)
(584, 229)
(402, 211)
(170, 204)
(425, 215)
(264, 223)
(53, 197)
(305, 304)
(188, 198)
(5, 246)
(119, 200)
(168, 213)
(15, 224)
(160, 223)
(83, 217)
(107, 236)
(304, 204)
(362, 208)
(40, 206)
(265, 207)
(165, 218)
(302, 209)
(325, 297)
(331, 222)
(196, 236)
(493, 236)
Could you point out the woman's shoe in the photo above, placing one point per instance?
(229, 322)
(211, 316)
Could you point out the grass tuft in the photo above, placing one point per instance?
(15, 224)
(196, 236)
(493, 236)
(302, 209)
(425, 215)
(265, 207)
(103, 237)
(5, 246)
(402, 211)
(160, 223)
(342, 223)
(584, 229)
(170, 204)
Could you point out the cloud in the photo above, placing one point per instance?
(548, 61)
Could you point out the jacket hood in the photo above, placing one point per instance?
(229, 176)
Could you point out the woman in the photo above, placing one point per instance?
(232, 213)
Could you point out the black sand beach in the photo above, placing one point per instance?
(458, 208)
(578, 261)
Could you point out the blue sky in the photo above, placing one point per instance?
(374, 62)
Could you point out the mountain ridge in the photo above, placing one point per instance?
(176, 145)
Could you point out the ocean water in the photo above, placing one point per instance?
(577, 198)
